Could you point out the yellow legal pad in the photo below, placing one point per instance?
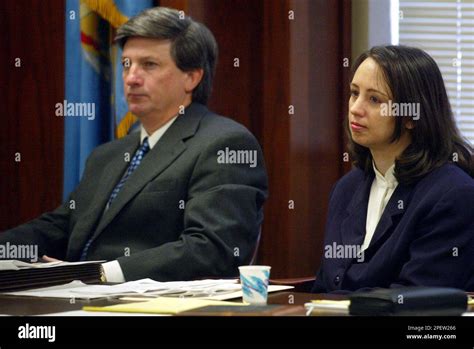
(331, 302)
(162, 305)
(326, 305)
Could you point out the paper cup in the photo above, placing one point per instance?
(254, 280)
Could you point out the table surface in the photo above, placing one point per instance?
(22, 305)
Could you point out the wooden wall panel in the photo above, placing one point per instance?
(305, 43)
(317, 49)
(275, 138)
(32, 30)
(237, 26)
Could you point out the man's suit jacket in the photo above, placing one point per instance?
(181, 215)
(425, 236)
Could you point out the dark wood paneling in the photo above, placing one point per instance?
(237, 26)
(345, 51)
(317, 48)
(276, 143)
(32, 30)
(303, 68)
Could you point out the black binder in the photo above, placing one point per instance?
(13, 280)
(428, 301)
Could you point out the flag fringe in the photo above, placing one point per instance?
(124, 126)
(107, 10)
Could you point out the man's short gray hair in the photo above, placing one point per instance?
(192, 45)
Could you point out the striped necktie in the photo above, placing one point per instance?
(136, 160)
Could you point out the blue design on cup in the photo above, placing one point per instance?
(254, 287)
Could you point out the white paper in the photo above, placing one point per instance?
(12, 264)
(145, 289)
(218, 296)
(148, 287)
(99, 313)
(59, 291)
(151, 288)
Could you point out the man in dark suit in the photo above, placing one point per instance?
(182, 198)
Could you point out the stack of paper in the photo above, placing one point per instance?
(146, 289)
(15, 275)
(140, 288)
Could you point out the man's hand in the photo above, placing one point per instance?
(47, 259)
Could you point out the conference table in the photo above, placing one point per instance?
(33, 311)
(30, 306)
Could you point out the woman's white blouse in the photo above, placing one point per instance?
(380, 193)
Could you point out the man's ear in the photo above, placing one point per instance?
(193, 78)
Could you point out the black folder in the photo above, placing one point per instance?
(13, 280)
(429, 301)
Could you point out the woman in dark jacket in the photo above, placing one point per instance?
(404, 216)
